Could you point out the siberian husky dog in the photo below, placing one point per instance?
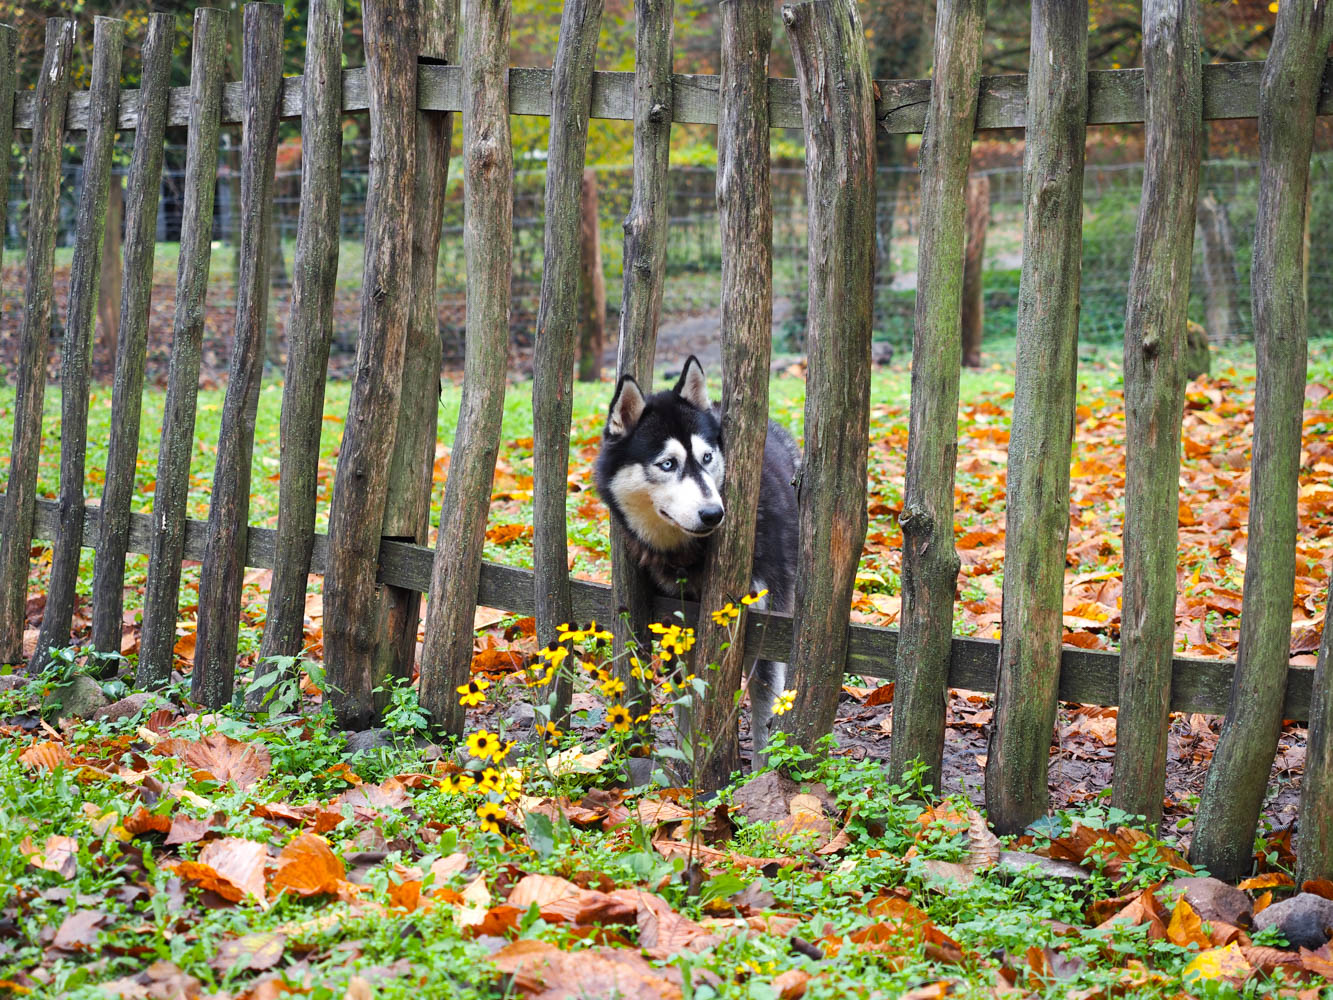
(660, 471)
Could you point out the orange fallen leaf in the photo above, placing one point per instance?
(308, 867)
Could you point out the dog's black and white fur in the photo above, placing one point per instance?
(660, 471)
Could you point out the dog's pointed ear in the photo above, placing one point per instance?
(692, 388)
(626, 408)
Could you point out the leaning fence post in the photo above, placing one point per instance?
(157, 638)
(1154, 398)
(838, 109)
(136, 291)
(930, 560)
(20, 502)
(644, 273)
(104, 103)
(488, 182)
(1037, 488)
(558, 319)
(223, 572)
(353, 599)
(411, 468)
(1233, 792)
(1314, 845)
(745, 217)
(309, 328)
(9, 42)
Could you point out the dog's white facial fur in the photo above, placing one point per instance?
(661, 503)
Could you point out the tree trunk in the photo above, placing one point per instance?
(1154, 398)
(1037, 485)
(976, 219)
(930, 560)
(592, 283)
(1233, 792)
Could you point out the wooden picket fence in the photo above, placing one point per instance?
(375, 559)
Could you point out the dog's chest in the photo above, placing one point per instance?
(669, 569)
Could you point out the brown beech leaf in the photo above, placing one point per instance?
(143, 821)
(46, 756)
(221, 757)
(78, 931)
(255, 952)
(233, 867)
(790, 985)
(538, 968)
(59, 854)
(1186, 926)
(307, 867)
(1268, 880)
(370, 799)
(1318, 887)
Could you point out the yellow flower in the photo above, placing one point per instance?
(619, 718)
(728, 612)
(474, 691)
(753, 597)
(589, 666)
(490, 814)
(784, 702)
(611, 687)
(483, 744)
(553, 653)
(491, 781)
(458, 784)
(551, 731)
(536, 676)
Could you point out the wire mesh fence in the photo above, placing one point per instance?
(1220, 284)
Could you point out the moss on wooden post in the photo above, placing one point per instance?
(157, 639)
(309, 327)
(837, 106)
(1037, 493)
(745, 216)
(488, 178)
(1233, 792)
(353, 598)
(1154, 398)
(930, 560)
(136, 289)
(34, 329)
(81, 313)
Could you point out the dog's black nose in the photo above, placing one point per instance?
(711, 516)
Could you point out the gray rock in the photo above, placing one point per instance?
(1306, 920)
(1015, 862)
(766, 797)
(80, 697)
(1212, 899)
(521, 717)
(369, 739)
(12, 682)
(131, 705)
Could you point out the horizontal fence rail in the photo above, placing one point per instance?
(1115, 97)
(1086, 676)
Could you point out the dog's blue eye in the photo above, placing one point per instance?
(667, 465)
(708, 457)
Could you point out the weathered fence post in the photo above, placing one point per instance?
(309, 327)
(644, 274)
(488, 179)
(353, 599)
(76, 351)
(1233, 792)
(1314, 845)
(223, 572)
(930, 560)
(412, 465)
(1037, 493)
(20, 503)
(1220, 280)
(136, 292)
(592, 282)
(838, 109)
(9, 42)
(976, 218)
(745, 217)
(1159, 291)
(157, 639)
(558, 318)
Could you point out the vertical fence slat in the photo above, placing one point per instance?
(9, 44)
(644, 269)
(745, 220)
(1155, 318)
(353, 600)
(1233, 792)
(411, 467)
(838, 110)
(976, 220)
(20, 501)
(136, 290)
(223, 571)
(592, 282)
(930, 559)
(488, 178)
(558, 317)
(157, 639)
(85, 275)
(1037, 494)
(309, 328)
(1314, 845)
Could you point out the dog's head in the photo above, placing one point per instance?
(661, 465)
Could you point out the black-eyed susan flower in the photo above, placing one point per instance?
(553, 653)
(457, 784)
(490, 814)
(490, 782)
(619, 718)
(483, 744)
(611, 687)
(784, 702)
(726, 614)
(550, 731)
(537, 676)
(473, 693)
(754, 597)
